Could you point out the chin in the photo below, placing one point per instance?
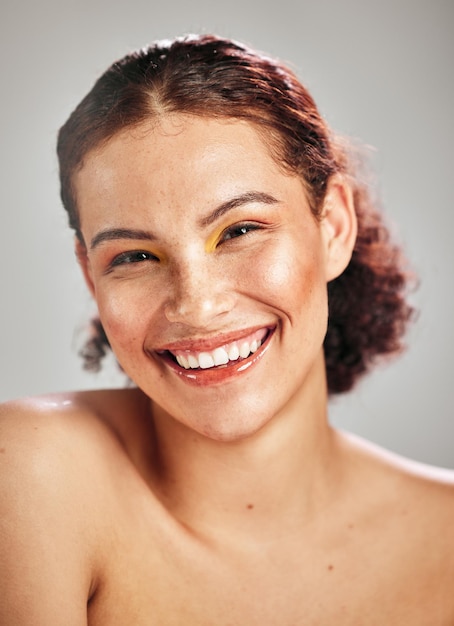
(231, 433)
(244, 424)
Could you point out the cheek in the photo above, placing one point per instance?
(291, 279)
(122, 317)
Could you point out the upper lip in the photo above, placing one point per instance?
(206, 344)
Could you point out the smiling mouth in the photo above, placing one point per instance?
(221, 357)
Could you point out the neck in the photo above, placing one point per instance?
(280, 476)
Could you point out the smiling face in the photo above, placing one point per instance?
(209, 270)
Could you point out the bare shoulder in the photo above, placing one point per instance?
(405, 511)
(390, 477)
(56, 457)
(64, 443)
(48, 438)
(391, 466)
(52, 425)
(415, 500)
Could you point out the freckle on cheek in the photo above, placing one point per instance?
(117, 325)
(277, 275)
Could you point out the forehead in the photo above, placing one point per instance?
(175, 149)
(181, 136)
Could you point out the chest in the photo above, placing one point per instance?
(170, 579)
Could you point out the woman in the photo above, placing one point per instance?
(241, 275)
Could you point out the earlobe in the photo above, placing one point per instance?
(339, 226)
(81, 254)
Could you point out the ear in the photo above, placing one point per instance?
(82, 257)
(338, 226)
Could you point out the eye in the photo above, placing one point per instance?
(134, 256)
(238, 230)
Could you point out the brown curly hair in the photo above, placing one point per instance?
(214, 77)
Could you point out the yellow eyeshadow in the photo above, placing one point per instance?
(213, 240)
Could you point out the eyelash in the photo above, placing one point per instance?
(238, 230)
(133, 257)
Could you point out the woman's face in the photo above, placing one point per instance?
(209, 271)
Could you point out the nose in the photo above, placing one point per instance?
(198, 296)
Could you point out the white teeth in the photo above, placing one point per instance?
(245, 349)
(183, 361)
(220, 356)
(193, 361)
(234, 352)
(205, 360)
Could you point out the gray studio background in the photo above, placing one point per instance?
(380, 71)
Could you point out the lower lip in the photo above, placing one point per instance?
(221, 373)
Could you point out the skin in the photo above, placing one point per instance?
(218, 496)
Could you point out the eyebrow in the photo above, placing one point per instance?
(245, 198)
(111, 234)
